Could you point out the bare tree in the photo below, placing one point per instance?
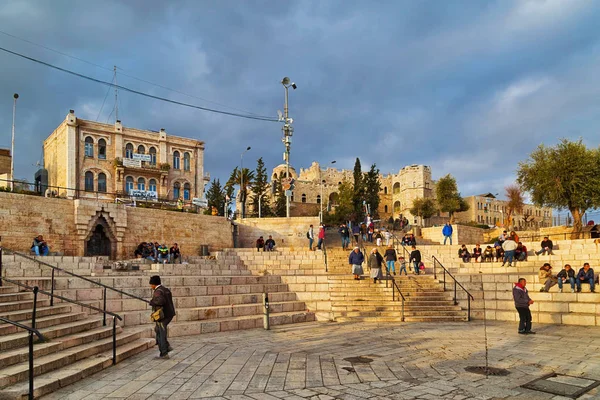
(515, 203)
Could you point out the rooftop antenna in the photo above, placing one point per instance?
(116, 94)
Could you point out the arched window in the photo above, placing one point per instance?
(186, 161)
(186, 191)
(128, 184)
(102, 182)
(176, 190)
(129, 150)
(102, 149)
(318, 199)
(396, 188)
(303, 198)
(89, 147)
(141, 149)
(152, 185)
(141, 183)
(89, 181)
(176, 160)
(385, 190)
(397, 207)
(152, 153)
(333, 199)
(274, 177)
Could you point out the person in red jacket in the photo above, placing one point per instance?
(321, 236)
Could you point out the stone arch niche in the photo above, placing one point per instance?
(112, 219)
(101, 239)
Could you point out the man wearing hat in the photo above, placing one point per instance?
(162, 299)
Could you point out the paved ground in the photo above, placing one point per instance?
(306, 361)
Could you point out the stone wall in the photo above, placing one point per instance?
(287, 232)
(460, 234)
(4, 161)
(68, 224)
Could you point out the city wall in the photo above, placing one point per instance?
(287, 232)
(67, 224)
(460, 234)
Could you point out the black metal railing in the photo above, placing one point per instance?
(32, 331)
(436, 264)
(55, 269)
(395, 288)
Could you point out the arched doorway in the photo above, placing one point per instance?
(99, 243)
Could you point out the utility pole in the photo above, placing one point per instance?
(12, 146)
(116, 95)
(288, 131)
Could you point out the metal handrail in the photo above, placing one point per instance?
(35, 290)
(324, 254)
(456, 283)
(395, 287)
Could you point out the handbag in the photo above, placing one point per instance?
(157, 315)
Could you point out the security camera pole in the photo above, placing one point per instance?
(288, 131)
(12, 146)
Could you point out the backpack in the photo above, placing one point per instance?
(308, 235)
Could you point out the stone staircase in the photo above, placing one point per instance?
(78, 344)
(496, 283)
(425, 299)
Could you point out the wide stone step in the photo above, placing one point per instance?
(22, 305)
(8, 289)
(407, 313)
(26, 314)
(357, 306)
(18, 296)
(18, 372)
(237, 323)
(21, 339)
(45, 322)
(20, 354)
(236, 310)
(52, 381)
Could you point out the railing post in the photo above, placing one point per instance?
(444, 280)
(1, 266)
(434, 265)
(104, 318)
(393, 293)
(52, 290)
(35, 292)
(403, 309)
(455, 302)
(469, 308)
(114, 344)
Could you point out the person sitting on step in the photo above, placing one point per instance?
(260, 244)
(566, 274)
(546, 247)
(521, 252)
(546, 277)
(464, 254)
(488, 254)
(174, 253)
(477, 253)
(39, 246)
(585, 275)
(270, 244)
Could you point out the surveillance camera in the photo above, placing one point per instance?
(294, 86)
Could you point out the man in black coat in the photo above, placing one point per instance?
(162, 299)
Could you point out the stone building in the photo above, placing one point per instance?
(5, 167)
(486, 209)
(90, 159)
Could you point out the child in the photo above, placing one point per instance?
(378, 238)
(422, 267)
(402, 262)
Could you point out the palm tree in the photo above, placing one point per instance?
(247, 177)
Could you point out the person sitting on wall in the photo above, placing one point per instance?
(163, 253)
(585, 275)
(149, 252)
(174, 253)
(270, 244)
(566, 274)
(499, 251)
(521, 252)
(406, 240)
(488, 254)
(39, 246)
(139, 250)
(464, 254)
(546, 247)
(260, 244)
(477, 253)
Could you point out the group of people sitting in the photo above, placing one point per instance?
(40, 246)
(265, 245)
(567, 274)
(158, 252)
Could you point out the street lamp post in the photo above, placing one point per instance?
(288, 131)
(12, 146)
(321, 219)
(242, 191)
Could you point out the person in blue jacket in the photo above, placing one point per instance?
(356, 259)
(447, 232)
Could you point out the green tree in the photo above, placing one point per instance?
(423, 208)
(564, 176)
(344, 210)
(372, 187)
(448, 197)
(215, 196)
(358, 192)
(260, 188)
(515, 203)
(280, 200)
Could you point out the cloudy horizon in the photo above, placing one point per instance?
(469, 88)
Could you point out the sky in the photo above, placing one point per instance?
(469, 88)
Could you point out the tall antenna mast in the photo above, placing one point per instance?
(116, 95)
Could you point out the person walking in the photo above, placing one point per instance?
(390, 259)
(321, 237)
(509, 246)
(163, 312)
(415, 258)
(375, 262)
(310, 235)
(522, 303)
(447, 232)
(355, 260)
(356, 233)
(345, 235)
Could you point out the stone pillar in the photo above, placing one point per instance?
(72, 161)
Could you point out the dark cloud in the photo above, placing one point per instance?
(469, 88)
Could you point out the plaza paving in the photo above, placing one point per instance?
(306, 361)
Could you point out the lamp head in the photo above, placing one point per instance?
(294, 86)
(285, 81)
(16, 95)
(333, 162)
(248, 148)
